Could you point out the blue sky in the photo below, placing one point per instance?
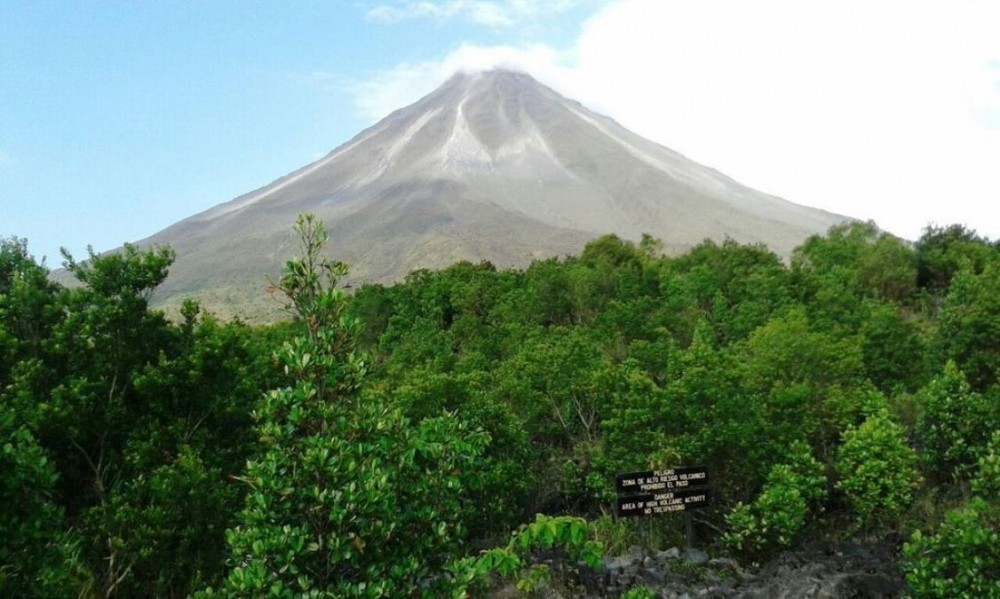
(119, 118)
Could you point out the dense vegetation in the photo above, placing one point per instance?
(381, 444)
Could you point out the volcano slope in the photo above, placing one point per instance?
(490, 166)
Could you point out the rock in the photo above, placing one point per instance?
(653, 575)
(618, 564)
(695, 556)
(849, 549)
(724, 563)
(672, 553)
(819, 571)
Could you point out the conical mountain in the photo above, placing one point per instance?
(490, 166)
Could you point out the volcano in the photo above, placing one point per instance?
(490, 166)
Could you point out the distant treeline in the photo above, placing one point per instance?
(374, 445)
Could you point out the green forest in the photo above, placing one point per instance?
(425, 438)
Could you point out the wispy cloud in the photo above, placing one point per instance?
(378, 96)
(491, 13)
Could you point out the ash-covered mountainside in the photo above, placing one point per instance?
(490, 166)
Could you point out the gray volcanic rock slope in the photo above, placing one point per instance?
(491, 165)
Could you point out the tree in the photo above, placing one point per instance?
(347, 498)
(37, 556)
(793, 490)
(711, 420)
(853, 262)
(887, 269)
(960, 559)
(737, 286)
(27, 299)
(986, 482)
(894, 354)
(877, 470)
(969, 331)
(954, 423)
(169, 512)
(77, 395)
(507, 471)
(943, 251)
(800, 378)
(140, 419)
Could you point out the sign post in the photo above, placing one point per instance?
(683, 477)
(652, 492)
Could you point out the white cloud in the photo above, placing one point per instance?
(407, 82)
(864, 108)
(987, 101)
(886, 110)
(493, 13)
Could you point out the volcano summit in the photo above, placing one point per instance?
(490, 166)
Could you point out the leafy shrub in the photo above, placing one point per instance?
(955, 423)
(962, 559)
(565, 533)
(780, 511)
(986, 483)
(969, 325)
(639, 593)
(877, 470)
